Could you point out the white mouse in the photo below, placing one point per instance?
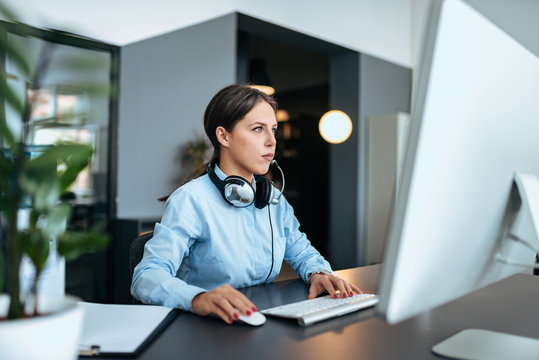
(255, 319)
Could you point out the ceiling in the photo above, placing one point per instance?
(380, 28)
(388, 29)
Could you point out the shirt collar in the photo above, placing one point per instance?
(220, 174)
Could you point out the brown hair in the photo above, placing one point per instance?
(225, 109)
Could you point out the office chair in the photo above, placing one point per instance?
(136, 251)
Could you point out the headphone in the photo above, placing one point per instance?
(239, 192)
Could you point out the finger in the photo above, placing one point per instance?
(348, 289)
(328, 286)
(356, 289)
(244, 306)
(215, 309)
(224, 304)
(240, 302)
(339, 284)
(314, 290)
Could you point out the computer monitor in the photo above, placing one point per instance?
(467, 207)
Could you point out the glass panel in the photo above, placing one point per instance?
(68, 96)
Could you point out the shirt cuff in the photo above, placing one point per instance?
(180, 294)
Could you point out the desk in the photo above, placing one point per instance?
(511, 305)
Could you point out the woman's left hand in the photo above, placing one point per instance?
(331, 283)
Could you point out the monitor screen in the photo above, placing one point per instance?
(462, 215)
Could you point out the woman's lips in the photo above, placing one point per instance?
(268, 157)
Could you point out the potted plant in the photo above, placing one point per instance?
(195, 153)
(53, 325)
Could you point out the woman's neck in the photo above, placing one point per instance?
(230, 168)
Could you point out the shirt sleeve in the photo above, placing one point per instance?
(154, 278)
(299, 252)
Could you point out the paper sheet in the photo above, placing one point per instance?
(119, 328)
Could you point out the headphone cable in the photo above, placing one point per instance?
(271, 228)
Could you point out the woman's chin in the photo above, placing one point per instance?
(262, 170)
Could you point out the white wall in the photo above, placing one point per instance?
(376, 27)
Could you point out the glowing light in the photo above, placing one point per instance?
(268, 90)
(335, 126)
(282, 115)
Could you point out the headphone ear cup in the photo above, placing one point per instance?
(264, 191)
(238, 192)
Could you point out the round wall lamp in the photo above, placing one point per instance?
(335, 126)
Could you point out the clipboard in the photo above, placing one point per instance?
(121, 330)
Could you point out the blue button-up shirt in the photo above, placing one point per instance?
(202, 242)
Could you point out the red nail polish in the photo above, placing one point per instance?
(236, 315)
(334, 296)
(351, 293)
(229, 320)
(254, 309)
(248, 313)
(344, 295)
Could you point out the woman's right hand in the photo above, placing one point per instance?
(222, 302)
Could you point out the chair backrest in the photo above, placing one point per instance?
(136, 250)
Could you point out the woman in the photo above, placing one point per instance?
(228, 227)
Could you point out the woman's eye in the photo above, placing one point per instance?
(258, 129)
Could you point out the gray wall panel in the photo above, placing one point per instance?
(361, 86)
(384, 88)
(166, 83)
(343, 163)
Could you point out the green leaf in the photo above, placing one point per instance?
(43, 184)
(36, 245)
(6, 169)
(17, 55)
(47, 193)
(11, 98)
(72, 245)
(75, 163)
(75, 157)
(57, 219)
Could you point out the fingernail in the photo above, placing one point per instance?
(236, 315)
(334, 296)
(230, 320)
(248, 313)
(351, 293)
(344, 295)
(254, 309)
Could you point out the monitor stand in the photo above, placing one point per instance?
(481, 344)
(478, 344)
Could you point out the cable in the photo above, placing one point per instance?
(271, 228)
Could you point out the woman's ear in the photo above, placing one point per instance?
(223, 136)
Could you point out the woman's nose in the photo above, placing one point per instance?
(271, 141)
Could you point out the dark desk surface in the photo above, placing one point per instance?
(511, 306)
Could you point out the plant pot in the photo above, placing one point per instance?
(51, 336)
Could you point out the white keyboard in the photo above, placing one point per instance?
(308, 312)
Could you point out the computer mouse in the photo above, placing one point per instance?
(255, 319)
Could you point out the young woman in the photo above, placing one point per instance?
(229, 227)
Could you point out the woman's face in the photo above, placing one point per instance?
(251, 143)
